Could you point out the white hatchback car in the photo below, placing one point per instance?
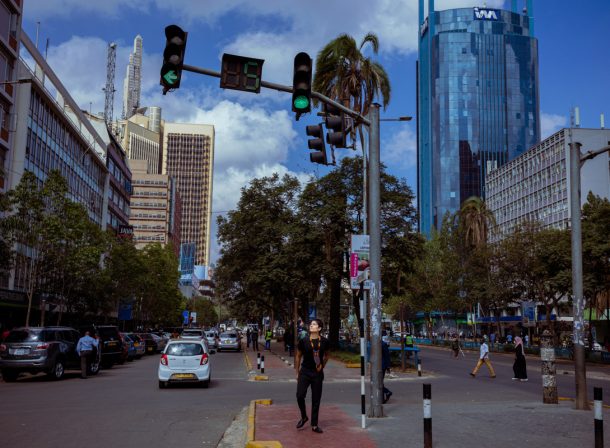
(185, 361)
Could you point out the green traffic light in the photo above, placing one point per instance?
(171, 77)
(301, 102)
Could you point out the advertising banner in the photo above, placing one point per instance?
(359, 261)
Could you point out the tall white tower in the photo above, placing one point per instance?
(133, 80)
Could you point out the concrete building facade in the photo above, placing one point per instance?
(536, 185)
(141, 142)
(188, 156)
(10, 31)
(155, 207)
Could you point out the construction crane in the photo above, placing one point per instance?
(109, 89)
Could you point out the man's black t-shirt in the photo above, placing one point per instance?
(308, 346)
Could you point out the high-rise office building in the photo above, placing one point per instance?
(477, 101)
(10, 30)
(155, 207)
(188, 156)
(536, 185)
(133, 80)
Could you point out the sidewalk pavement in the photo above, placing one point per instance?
(515, 420)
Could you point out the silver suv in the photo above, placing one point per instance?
(51, 350)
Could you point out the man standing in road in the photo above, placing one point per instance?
(84, 348)
(484, 358)
(254, 338)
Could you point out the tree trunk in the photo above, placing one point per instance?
(335, 315)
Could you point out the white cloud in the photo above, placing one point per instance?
(551, 123)
(400, 151)
(44, 9)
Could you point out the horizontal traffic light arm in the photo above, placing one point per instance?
(283, 88)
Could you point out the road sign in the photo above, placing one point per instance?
(185, 317)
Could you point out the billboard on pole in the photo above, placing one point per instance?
(359, 261)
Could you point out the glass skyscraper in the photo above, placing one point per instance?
(477, 101)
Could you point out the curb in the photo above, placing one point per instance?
(261, 378)
(591, 403)
(286, 361)
(250, 442)
(248, 363)
(352, 365)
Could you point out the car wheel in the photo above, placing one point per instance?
(205, 384)
(10, 376)
(162, 384)
(93, 368)
(57, 371)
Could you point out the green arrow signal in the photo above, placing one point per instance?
(171, 77)
(301, 102)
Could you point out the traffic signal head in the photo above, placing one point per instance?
(317, 144)
(335, 124)
(173, 57)
(301, 84)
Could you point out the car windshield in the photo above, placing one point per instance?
(25, 336)
(191, 333)
(184, 349)
(228, 335)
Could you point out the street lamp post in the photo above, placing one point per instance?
(576, 161)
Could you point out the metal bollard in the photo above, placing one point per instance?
(427, 416)
(258, 361)
(549, 382)
(599, 417)
(419, 367)
(263, 364)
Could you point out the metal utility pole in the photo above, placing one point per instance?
(577, 299)
(375, 254)
(576, 161)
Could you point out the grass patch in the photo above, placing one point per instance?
(344, 356)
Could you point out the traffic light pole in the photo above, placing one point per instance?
(376, 409)
(373, 214)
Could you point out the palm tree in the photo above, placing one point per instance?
(475, 221)
(345, 75)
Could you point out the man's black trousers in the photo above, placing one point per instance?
(314, 379)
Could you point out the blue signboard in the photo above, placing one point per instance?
(185, 317)
(125, 311)
(313, 311)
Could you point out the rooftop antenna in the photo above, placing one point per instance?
(109, 88)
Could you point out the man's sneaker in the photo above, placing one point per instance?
(523, 380)
(515, 379)
(493, 376)
(472, 374)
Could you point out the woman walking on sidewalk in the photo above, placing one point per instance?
(519, 367)
(313, 351)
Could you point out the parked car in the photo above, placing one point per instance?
(129, 348)
(138, 344)
(51, 350)
(229, 341)
(597, 347)
(185, 361)
(212, 338)
(110, 342)
(151, 343)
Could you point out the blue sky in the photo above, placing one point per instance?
(257, 134)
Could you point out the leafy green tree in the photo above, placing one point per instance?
(206, 314)
(252, 273)
(596, 253)
(475, 221)
(161, 298)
